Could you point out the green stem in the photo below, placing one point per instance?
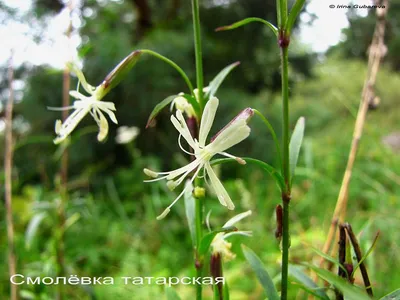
(285, 110)
(199, 79)
(174, 65)
(286, 173)
(198, 51)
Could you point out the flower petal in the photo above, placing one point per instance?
(207, 119)
(69, 124)
(237, 218)
(101, 122)
(181, 126)
(219, 189)
(230, 137)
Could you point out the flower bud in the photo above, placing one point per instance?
(199, 192)
(120, 71)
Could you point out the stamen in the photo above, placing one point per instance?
(238, 159)
(171, 185)
(60, 108)
(150, 173)
(180, 146)
(164, 214)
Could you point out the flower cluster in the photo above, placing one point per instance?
(219, 244)
(86, 104)
(231, 135)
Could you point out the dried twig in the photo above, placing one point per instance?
(342, 259)
(376, 53)
(357, 250)
(8, 162)
(63, 171)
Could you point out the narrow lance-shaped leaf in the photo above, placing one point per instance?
(309, 285)
(295, 145)
(208, 238)
(392, 295)
(294, 13)
(261, 273)
(159, 107)
(190, 212)
(192, 100)
(217, 81)
(367, 253)
(247, 21)
(349, 291)
(264, 166)
(33, 228)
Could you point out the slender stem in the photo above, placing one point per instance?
(199, 80)
(198, 51)
(8, 161)
(171, 63)
(286, 173)
(285, 111)
(199, 236)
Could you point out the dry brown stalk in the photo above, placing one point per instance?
(64, 169)
(376, 52)
(8, 162)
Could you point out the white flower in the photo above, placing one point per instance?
(230, 136)
(220, 245)
(126, 134)
(86, 104)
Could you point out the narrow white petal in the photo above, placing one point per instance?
(111, 115)
(207, 119)
(183, 130)
(237, 218)
(219, 189)
(188, 168)
(101, 122)
(77, 95)
(69, 124)
(230, 137)
(188, 187)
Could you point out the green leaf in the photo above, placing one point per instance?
(190, 207)
(294, 13)
(192, 100)
(349, 291)
(295, 144)
(208, 238)
(159, 107)
(247, 21)
(226, 291)
(171, 294)
(33, 228)
(367, 254)
(395, 295)
(328, 258)
(217, 81)
(266, 167)
(261, 273)
(309, 285)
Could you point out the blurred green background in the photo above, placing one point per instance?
(113, 228)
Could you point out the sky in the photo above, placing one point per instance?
(57, 49)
